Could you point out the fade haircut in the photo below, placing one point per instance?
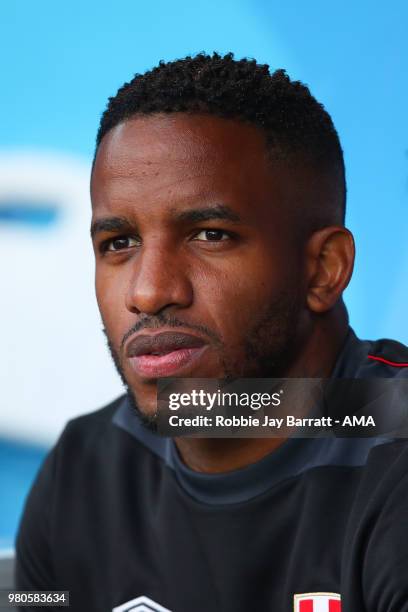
(297, 128)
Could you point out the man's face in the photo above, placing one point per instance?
(198, 270)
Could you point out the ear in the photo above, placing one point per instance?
(330, 260)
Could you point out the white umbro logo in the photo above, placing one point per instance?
(140, 604)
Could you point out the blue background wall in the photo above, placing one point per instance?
(60, 62)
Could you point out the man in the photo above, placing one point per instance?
(218, 195)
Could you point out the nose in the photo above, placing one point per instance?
(159, 280)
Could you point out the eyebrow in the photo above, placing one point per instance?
(109, 224)
(219, 211)
(120, 224)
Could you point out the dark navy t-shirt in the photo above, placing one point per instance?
(319, 525)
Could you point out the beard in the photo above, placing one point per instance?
(267, 349)
(149, 421)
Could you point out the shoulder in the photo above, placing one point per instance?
(388, 463)
(389, 356)
(91, 430)
(376, 543)
(383, 358)
(88, 443)
(102, 417)
(383, 485)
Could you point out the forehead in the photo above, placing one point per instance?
(159, 162)
(179, 137)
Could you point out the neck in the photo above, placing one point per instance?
(315, 358)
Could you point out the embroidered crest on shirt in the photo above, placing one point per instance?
(317, 602)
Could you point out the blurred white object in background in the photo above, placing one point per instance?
(54, 363)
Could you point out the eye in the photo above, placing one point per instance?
(120, 243)
(212, 235)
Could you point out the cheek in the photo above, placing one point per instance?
(239, 293)
(110, 291)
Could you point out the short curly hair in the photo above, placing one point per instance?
(296, 126)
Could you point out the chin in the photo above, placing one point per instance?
(144, 403)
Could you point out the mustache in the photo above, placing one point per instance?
(161, 320)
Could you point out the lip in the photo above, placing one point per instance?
(163, 354)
